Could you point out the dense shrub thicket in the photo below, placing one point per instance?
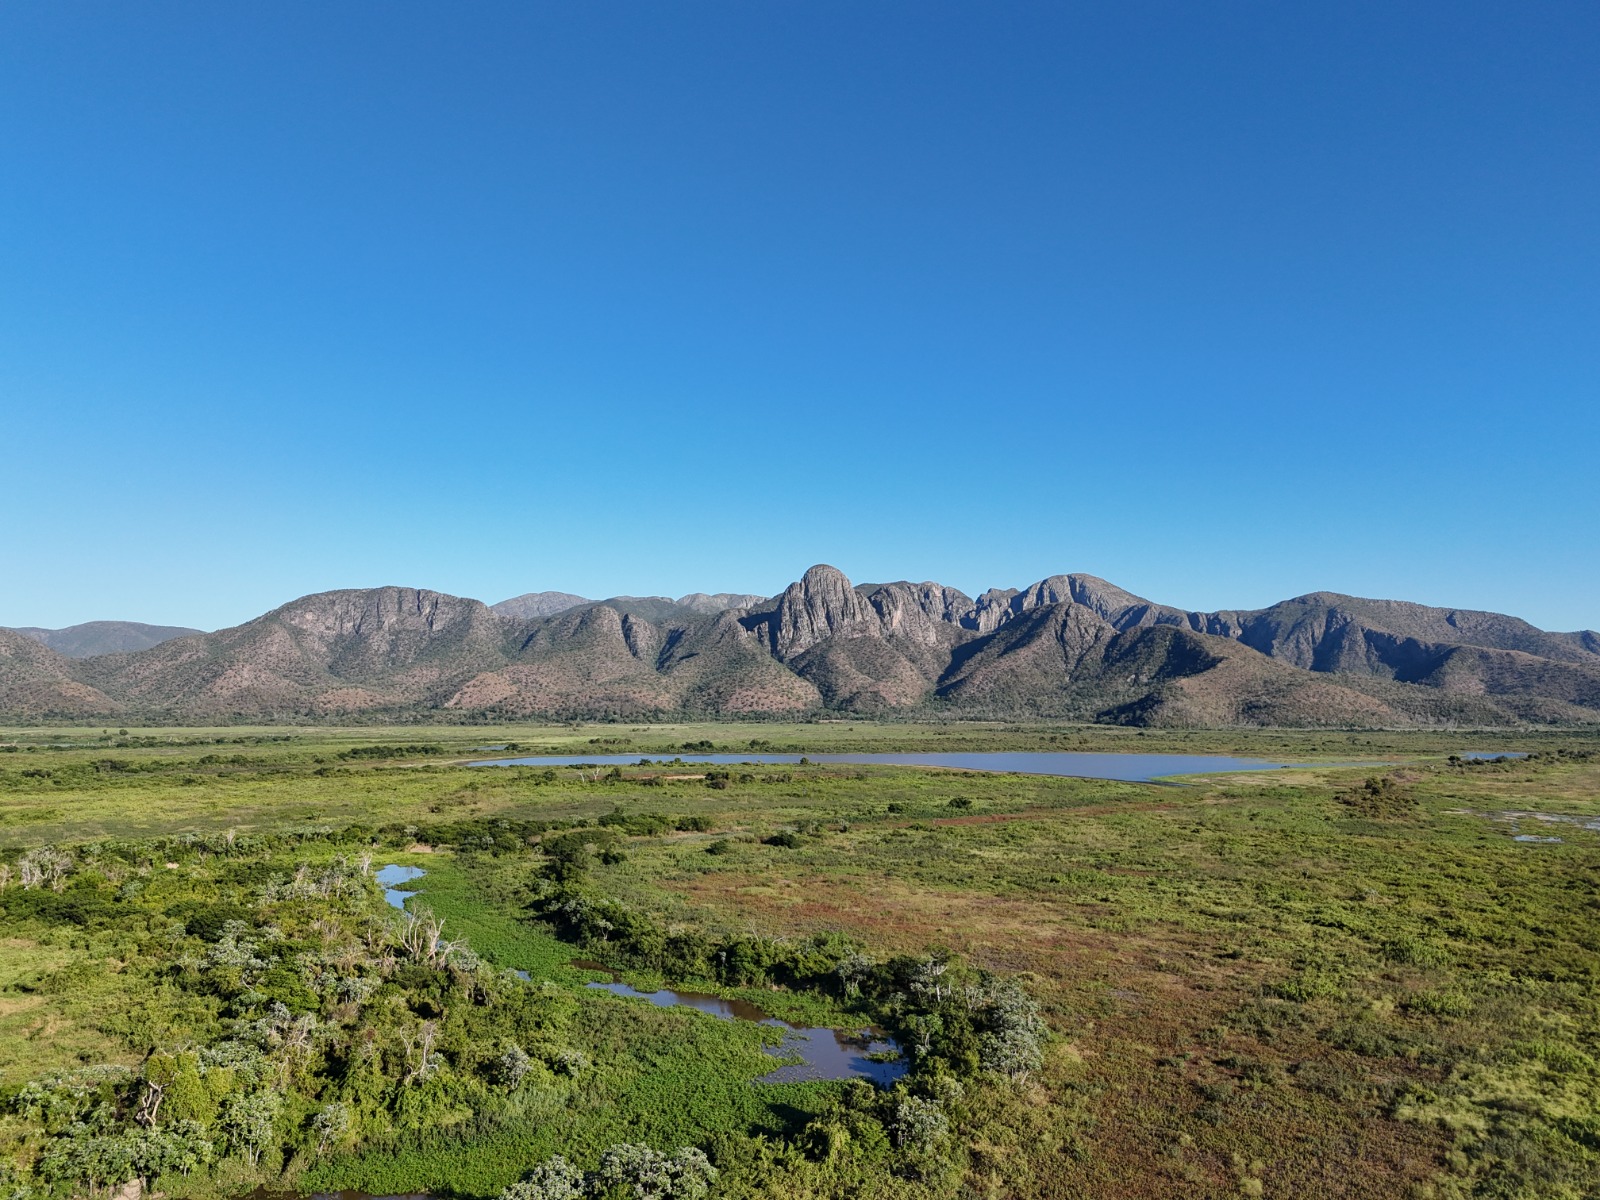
(291, 1018)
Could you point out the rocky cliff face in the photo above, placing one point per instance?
(363, 633)
(1328, 631)
(822, 604)
(1122, 610)
(929, 613)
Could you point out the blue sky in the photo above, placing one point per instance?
(1224, 302)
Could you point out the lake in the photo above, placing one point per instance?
(1128, 768)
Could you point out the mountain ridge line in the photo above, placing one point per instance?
(1070, 646)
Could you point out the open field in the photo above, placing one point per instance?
(1286, 983)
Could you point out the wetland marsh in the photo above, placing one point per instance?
(1245, 985)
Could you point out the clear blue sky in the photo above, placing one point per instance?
(1224, 302)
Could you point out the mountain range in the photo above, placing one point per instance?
(548, 604)
(105, 637)
(1071, 647)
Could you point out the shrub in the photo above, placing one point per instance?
(1415, 952)
(1446, 1002)
(1379, 799)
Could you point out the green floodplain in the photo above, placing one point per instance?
(1374, 975)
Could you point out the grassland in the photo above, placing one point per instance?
(1287, 983)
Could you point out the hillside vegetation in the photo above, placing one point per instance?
(1070, 646)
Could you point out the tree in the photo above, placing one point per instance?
(916, 1124)
(331, 1124)
(86, 1096)
(194, 1147)
(853, 971)
(1014, 1043)
(90, 1159)
(927, 978)
(554, 1180)
(421, 935)
(515, 1065)
(248, 1119)
(648, 1175)
(181, 1147)
(921, 1031)
(419, 1041)
(44, 867)
(570, 1062)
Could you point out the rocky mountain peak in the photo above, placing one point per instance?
(369, 612)
(923, 612)
(822, 576)
(822, 604)
(363, 632)
(1110, 603)
(718, 602)
(532, 605)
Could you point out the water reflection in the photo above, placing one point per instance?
(392, 874)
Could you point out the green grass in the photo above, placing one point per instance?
(491, 923)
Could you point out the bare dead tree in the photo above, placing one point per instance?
(149, 1104)
(422, 1043)
(421, 936)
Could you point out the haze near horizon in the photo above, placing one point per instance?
(1223, 307)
